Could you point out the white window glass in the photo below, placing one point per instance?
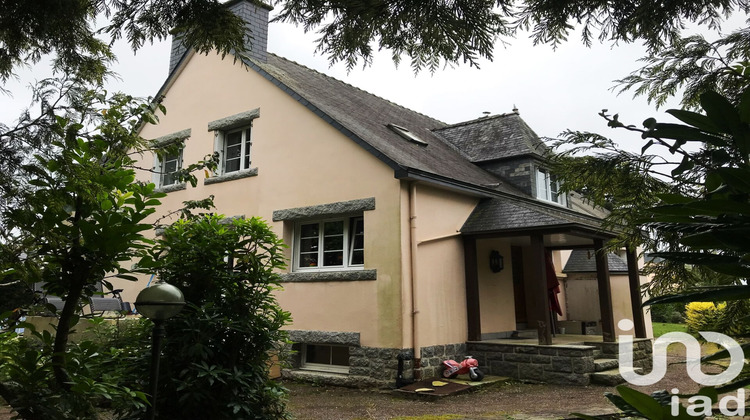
(548, 188)
(329, 244)
(169, 166)
(237, 150)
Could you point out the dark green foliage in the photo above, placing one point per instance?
(669, 313)
(691, 66)
(96, 366)
(77, 216)
(428, 32)
(66, 29)
(220, 346)
(703, 221)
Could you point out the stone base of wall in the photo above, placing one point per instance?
(431, 363)
(558, 364)
(642, 352)
(368, 367)
(569, 365)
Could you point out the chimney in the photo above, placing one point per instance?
(255, 15)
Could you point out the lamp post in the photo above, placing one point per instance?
(158, 303)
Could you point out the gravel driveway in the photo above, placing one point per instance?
(503, 401)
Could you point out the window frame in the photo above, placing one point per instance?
(323, 367)
(548, 188)
(349, 225)
(245, 156)
(161, 166)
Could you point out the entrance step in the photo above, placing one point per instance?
(520, 334)
(602, 365)
(610, 377)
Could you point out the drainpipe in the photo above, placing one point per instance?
(413, 266)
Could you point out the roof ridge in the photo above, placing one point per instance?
(364, 91)
(477, 120)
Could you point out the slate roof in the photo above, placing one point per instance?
(502, 214)
(364, 118)
(449, 157)
(496, 137)
(582, 261)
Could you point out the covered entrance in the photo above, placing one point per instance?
(524, 234)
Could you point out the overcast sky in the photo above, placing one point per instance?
(553, 90)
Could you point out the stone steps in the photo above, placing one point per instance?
(609, 377)
(604, 364)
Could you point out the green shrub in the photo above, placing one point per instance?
(26, 374)
(220, 346)
(704, 316)
(671, 313)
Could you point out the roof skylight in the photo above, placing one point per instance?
(406, 134)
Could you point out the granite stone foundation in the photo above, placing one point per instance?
(368, 366)
(431, 362)
(559, 364)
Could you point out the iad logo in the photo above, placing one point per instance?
(692, 357)
(699, 404)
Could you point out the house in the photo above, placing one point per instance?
(410, 240)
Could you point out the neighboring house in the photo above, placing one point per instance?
(409, 239)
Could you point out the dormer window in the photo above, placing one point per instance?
(406, 134)
(548, 188)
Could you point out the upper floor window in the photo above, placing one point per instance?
(168, 158)
(548, 188)
(236, 150)
(329, 244)
(233, 142)
(169, 165)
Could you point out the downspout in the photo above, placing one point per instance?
(413, 267)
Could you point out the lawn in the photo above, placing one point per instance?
(661, 328)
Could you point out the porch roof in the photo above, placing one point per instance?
(503, 215)
(583, 261)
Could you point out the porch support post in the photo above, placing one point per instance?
(541, 299)
(472, 289)
(605, 292)
(636, 300)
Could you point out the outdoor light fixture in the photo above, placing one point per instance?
(158, 303)
(496, 261)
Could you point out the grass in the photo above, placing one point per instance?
(661, 328)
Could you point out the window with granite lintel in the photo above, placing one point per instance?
(168, 160)
(327, 238)
(233, 144)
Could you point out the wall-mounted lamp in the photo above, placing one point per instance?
(496, 261)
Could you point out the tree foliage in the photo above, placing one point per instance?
(428, 32)
(700, 222)
(67, 30)
(691, 66)
(76, 216)
(221, 345)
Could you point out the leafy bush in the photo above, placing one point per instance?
(220, 346)
(671, 313)
(704, 316)
(26, 373)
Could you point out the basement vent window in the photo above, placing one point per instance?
(406, 134)
(325, 358)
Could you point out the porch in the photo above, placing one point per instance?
(572, 360)
(526, 235)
